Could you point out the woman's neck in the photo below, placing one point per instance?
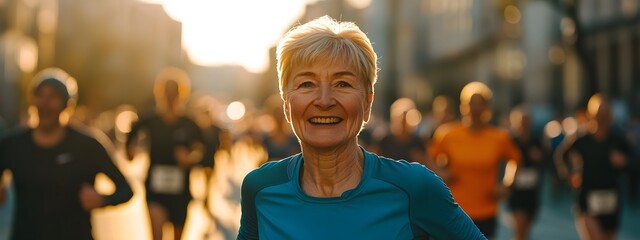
(331, 173)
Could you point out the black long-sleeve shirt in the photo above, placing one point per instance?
(163, 138)
(48, 181)
(597, 171)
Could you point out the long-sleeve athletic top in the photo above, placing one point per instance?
(394, 200)
(48, 180)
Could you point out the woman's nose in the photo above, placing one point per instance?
(325, 98)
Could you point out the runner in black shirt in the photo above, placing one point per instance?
(54, 167)
(175, 145)
(595, 161)
(523, 201)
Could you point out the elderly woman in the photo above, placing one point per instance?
(335, 189)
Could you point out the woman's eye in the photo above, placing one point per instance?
(306, 85)
(343, 84)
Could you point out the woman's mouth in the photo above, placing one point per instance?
(325, 120)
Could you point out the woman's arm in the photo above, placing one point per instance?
(435, 211)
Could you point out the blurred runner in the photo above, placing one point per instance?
(467, 155)
(592, 164)
(54, 167)
(175, 146)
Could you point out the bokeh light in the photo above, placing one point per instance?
(28, 55)
(556, 55)
(47, 20)
(512, 14)
(570, 125)
(236, 110)
(553, 129)
(267, 123)
(413, 117)
(124, 120)
(32, 120)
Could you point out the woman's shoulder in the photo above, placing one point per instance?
(407, 175)
(276, 166)
(392, 165)
(271, 173)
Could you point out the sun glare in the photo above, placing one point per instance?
(239, 32)
(152, 1)
(359, 4)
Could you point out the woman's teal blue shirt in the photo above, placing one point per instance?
(394, 200)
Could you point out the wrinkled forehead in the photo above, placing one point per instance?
(326, 62)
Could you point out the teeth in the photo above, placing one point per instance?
(325, 120)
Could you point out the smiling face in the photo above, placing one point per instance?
(326, 104)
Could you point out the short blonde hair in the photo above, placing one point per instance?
(326, 39)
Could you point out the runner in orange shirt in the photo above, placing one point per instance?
(468, 154)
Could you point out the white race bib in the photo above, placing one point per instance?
(167, 179)
(526, 178)
(602, 202)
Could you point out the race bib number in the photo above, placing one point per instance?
(601, 202)
(167, 179)
(526, 178)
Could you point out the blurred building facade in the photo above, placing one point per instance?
(550, 54)
(112, 47)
